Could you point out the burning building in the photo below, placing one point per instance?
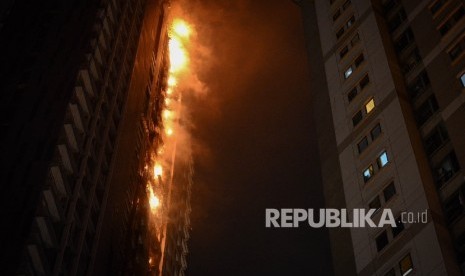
(91, 113)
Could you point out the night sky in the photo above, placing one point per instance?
(254, 142)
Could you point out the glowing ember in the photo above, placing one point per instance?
(154, 201)
(158, 170)
(180, 28)
(172, 81)
(169, 131)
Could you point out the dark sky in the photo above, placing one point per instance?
(255, 144)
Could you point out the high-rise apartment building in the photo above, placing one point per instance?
(388, 80)
(82, 90)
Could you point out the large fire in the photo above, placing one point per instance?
(179, 34)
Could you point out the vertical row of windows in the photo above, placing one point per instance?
(343, 52)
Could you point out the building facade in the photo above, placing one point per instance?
(388, 80)
(83, 84)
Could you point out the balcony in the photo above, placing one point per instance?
(66, 160)
(82, 99)
(51, 204)
(59, 183)
(76, 116)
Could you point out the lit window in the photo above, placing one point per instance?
(382, 241)
(370, 105)
(383, 160)
(462, 79)
(368, 173)
(348, 72)
(389, 192)
(362, 145)
(406, 265)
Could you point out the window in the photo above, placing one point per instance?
(343, 51)
(362, 145)
(369, 106)
(389, 192)
(364, 82)
(399, 227)
(411, 61)
(352, 94)
(456, 51)
(434, 8)
(448, 167)
(382, 241)
(375, 132)
(449, 24)
(346, 26)
(405, 40)
(375, 203)
(462, 80)
(437, 137)
(406, 265)
(336, 15)
(346, 5)
(419, 85)
(355, 39)
(348, 72)
(368, 173)
(382, 160)
(426, 110)
(359, 60)
(360, 86)
(397, 20)
(454, 207)
(357, 118)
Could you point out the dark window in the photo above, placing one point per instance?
(419, 85)
(381, 241)
(426, 110)
(375, 132)
(456, 51)
(364, 82)
(397, 20)
(411, 61)
(336, 15)
(436, 139)
(352, 94)
(405, 40)
(454, 207)
(389, 191)
(355, 39)
(340, 32)
(399, 227)
(437, 5)
(357, 118)
(362, 145)
(344, 51)
(375, 203)
(448, 167)
(346, 5)
(359, 60)
(445, 28)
